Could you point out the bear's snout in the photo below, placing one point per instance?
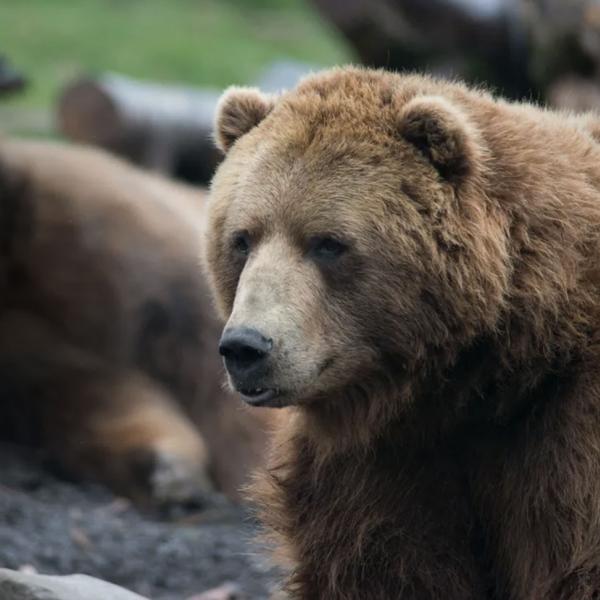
(245, 352)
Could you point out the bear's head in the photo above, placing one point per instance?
(349, 237)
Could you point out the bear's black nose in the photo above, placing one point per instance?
(243, 350)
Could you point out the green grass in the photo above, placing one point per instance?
(204, 42)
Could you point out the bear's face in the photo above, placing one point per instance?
(330, 237)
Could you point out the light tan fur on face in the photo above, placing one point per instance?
(268, 301)
(294, 186)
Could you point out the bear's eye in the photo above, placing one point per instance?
(326, 248)
(241, 243)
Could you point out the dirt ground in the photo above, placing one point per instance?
(61, 527)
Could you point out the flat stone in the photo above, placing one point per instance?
(15, 585)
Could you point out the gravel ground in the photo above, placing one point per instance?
(61, 527)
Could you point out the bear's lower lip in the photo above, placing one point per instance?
(259, 396)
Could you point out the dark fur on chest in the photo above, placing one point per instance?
(404, 516)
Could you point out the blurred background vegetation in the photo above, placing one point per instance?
(201, 42)
(546, 51)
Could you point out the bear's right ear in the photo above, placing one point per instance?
(444, 135)
(239, 110)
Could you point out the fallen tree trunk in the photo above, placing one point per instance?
(477, 40)
(522, 48)
(161, 127)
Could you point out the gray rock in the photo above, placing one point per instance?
(15, 585)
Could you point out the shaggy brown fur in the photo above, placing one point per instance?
(424, 261)
(106, 328)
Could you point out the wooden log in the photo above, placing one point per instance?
(477, 40)
(546, 50)
(164, 128)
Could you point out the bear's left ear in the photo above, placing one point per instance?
(444, 135)
(239, 110)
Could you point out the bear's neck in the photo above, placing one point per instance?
(390, 453)
(473, 389)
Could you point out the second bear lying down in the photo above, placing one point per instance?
(107, 330)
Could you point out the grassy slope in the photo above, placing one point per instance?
(205, 42)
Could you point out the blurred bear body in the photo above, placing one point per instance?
(423, 261)
(107, 333)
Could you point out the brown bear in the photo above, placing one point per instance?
(107, 330)
(412, 267)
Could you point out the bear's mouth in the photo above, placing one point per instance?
(259, 396)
